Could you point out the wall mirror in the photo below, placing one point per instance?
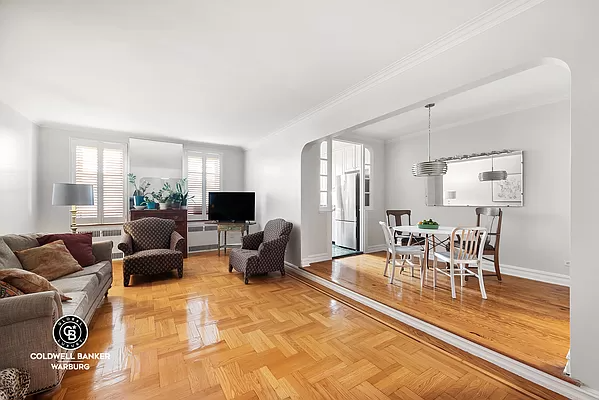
(461, 186)
(155, 162)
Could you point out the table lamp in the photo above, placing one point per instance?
(73, 194)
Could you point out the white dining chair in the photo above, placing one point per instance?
(405, 253)
(465, 251)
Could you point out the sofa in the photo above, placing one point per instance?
(26, 321)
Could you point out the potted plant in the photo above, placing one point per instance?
(161, 198)
(150, 201)
(140, 191)
(181, 189)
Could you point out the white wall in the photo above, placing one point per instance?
(54, 166)
(501, 44)
(535, 236)
(18, 146)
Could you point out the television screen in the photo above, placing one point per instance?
(231, 206)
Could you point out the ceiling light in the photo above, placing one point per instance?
(492, 176)
(429, 168)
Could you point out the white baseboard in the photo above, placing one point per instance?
(527, 372)
(376, 248)
(306, 261)
(528, 273)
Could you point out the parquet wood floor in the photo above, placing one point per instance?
(209, 336)
(526, 320)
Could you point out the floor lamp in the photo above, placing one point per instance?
(72, 194)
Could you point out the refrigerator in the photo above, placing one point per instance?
(346, 215)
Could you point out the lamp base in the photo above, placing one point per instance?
(73, 219)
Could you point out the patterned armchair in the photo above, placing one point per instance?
(151, 246)
(262, 251)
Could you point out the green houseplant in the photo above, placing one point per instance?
(182, 192)
(140, 191)
(161, 198)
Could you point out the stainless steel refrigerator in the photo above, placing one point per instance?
(346, 216)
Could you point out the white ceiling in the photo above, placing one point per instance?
(225, 72)
(534, 87)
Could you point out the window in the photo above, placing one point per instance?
(103, 165)
(203, 172)
(367, 177)
(324, 173)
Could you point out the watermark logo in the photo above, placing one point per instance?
(70, 332)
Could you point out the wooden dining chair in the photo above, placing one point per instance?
(466, 251)
(394, 218)
(405, 253)
(492, 214)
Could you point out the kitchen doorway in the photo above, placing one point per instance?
(348, 210)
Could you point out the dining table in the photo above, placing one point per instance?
(430, 235)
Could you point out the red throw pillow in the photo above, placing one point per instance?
(78, 244)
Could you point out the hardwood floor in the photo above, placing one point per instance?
(523, 319)
(209, 336)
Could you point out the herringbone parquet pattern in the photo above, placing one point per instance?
(209, 336)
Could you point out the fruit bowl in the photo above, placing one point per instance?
(428, 224)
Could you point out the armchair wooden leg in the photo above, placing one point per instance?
(230, 268)
(180, 272)
(126, 278)
(497, 269)
(246, 279)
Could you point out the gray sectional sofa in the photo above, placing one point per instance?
(26, 321)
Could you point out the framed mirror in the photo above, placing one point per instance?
(462, 187)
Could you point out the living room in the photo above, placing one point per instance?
(160, 103)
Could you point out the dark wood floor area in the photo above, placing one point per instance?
(523, 319)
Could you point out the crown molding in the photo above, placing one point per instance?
(494, 16)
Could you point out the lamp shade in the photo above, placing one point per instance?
(492, 176)
(72, 194)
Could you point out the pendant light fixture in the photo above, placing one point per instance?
(487, 176)
(429, 168)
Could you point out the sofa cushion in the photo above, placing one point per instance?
(78, 306)
(7, 257)
(8, 290)
(51, 260)
(102, 270)
(21, 242)
(88, 284)
(78, 244)
(28, 282)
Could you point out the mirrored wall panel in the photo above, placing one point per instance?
(155, 162)
(466, 185)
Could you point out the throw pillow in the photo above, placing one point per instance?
(51, 260)
(7, 257)
(8, 290)
(28, 282)
(78, 244)
(21, 242)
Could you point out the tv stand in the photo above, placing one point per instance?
(225, 227)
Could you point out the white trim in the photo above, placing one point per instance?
(529, 373)
(494, 16)
(306, 261)
(528, 273)
(376, 248)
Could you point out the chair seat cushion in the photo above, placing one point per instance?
(155, 261)
(243, 260)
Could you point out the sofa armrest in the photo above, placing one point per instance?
(126, 244)
(102, 250)
(252, 241)
(29, 306)
(177, 242)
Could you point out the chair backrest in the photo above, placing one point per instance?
(276, 228)
(394, 217)
(466, 243)
(388, 236)
(150, 233)
(492, 214)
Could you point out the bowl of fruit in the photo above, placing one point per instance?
(428, 224)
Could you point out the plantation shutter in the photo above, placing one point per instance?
(213, 183)
(195, 182)
(86, 171)
(113, 183)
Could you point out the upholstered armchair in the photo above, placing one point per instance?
(151, 246)
(262, 252)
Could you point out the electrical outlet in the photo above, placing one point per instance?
(567, 264)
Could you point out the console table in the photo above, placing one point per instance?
(230, 227)
(179, 216)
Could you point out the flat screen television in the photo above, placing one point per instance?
(232, 206)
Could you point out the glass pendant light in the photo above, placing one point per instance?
(429, 168)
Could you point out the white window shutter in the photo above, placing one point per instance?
(213, 180)
(113, 184)
(195, 173)
(86, 172)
